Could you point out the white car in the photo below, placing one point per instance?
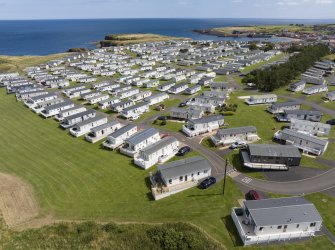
(238, 144)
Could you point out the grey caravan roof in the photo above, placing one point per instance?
(141, 136)
(74, 108)
(80, 114)
(284, 104)
(158, 145)
(305, 137)
(303, 112)
(273, 150)
(58, 105)
(42, 96)
(239, 130)
(182, 167)
(138, 105)
(106, 125)
(122, 130)
(93, 119)
(207, 119)
(281, 211)
(118, 104)
(168, 84)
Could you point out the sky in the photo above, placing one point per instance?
(81, 9)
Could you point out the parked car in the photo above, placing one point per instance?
(182, 104)
(331, 122)
(252, 195)
(162, 118)
(183, 151)
(238, 144)
(206, 183)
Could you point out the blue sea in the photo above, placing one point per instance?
(42, 37)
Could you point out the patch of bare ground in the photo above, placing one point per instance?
(17, 202)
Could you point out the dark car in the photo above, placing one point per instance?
(331, 122)
(252, 195)
(206, 183)
(182, 104)
(162, 118)
(183, 151)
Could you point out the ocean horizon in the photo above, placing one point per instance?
(49, 36)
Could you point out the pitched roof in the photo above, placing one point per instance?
(273, 150)
(282, 211)
(182, 167)
(238, 130)
(158, 145)
(141, 136)
(208, 119)
(122, 130)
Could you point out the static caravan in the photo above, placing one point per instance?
(106, 104)
(280, 107)
(140, 140)
(330, 96)
(102, 131)
(203, 125)
(33, 101)
(185, 114)
(135, 111)
(72, 89)
(158, 152)
(85, 126)
(177, 176)
(127, 93)
(176, 89)
(307, 143)
(309, 115)
(166, 86)
(298, 86)
(141, 95)
(312, 128)
(117, 138)
(40, 106)
(271, 220)
(72, 120)
(109, 87)
(151, 84)
(230, 135)
(192, 90)
(315, 89)
(78, 93)
(56, 108)
(156, 98)
(68, 112)
(98, 98)
(261, 99)
(119, 106)
(30, 94)
(89, 95)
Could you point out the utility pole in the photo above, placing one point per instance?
(225, 175)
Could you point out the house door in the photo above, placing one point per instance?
(285, 228)
(185, 177)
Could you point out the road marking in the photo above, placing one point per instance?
(246, 180)
(233, 173)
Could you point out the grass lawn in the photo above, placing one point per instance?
(253, 115)
(18, 63)
(310, 162)
(168, 104)
(73, 179)
(170, 126)
(206, 142)
(220, 78)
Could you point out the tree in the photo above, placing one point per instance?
(253, 46)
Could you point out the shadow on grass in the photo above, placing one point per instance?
(231, 228)
(148, 184)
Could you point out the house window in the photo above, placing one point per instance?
(192, 175)
(312, 224)
(181, 178)
(298, 225)
(170, 181)
(198, 173)
(279, 227)
(261, 228)
(205, 171)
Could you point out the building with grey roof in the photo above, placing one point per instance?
(312, 128)
(102, 131)
(305, 142)
(203, 125)
(268, 220)
(230, 135)
(280, 107)
(177, 176)
(158, 152)
(139, 141)
(269, 156)
(185, 114)
(308, 115)
(117, 138)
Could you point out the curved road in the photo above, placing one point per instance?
(314, 184)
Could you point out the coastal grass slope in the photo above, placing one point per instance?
(128, 39)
